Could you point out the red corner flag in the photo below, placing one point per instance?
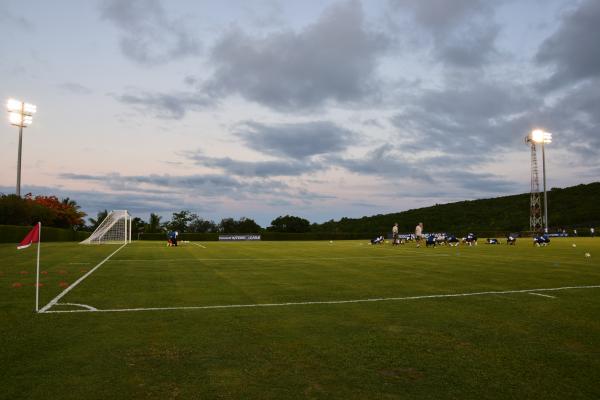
(32, 237)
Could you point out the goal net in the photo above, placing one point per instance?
(115, 228)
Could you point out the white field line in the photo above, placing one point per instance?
(77, 282)
(267, 259)
(199, 245)
(90, 308)
(543, 295)
(303, 303)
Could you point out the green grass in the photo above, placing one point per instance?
(513, 345)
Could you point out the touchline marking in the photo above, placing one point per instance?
(543, 295)
(199, 245)
(77, 282)
(303, 303)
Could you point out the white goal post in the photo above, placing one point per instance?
(115, 228)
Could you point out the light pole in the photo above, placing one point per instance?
(540, 136)
(20, 114)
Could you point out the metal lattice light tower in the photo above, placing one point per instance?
(535, 214)
(535, 209)
(20, 114)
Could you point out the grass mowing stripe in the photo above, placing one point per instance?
(302, 303)
(271, 259)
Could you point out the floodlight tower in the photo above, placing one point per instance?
(535, 218)
(535, 210)
(20, 114)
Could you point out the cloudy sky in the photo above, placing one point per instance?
(321, 109)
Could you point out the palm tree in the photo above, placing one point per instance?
(73, 214)
(99, 218)
(153, 223)
(71, 203)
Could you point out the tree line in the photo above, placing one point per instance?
(186, 221)
(49, 210)
(66, 213)
(572, 207)
(568, 208)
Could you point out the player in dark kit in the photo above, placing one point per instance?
(430, 242)
(511, 239)
(452, 240)
(471, 239)
(377, 240)
(541, 240)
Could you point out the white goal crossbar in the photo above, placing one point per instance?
(115, 228)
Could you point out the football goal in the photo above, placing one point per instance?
(115, 228)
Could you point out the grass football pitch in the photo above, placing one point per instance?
(301, 320)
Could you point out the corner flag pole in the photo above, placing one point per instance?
(37, 274)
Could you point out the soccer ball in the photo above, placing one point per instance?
(331, 241)
(574, 245)
(588, 255)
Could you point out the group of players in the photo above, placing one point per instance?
(432, 240)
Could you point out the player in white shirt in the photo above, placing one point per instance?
(395, 240)
(419, 234)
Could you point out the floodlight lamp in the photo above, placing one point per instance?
(29, 109)
(14, 105)
(539, 136)
(15, 118)
(19, 119)
(18, 106)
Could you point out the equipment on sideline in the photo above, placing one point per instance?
(115, 228)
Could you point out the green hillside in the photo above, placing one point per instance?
(572, 207)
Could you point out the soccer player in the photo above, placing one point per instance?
(541, 240)
(377, 240)
(395, 240)
(452, 240)
(419, 234)
(172, 238)
(471, 239)
(492, 241)
(441, 239)
(430, 241)
(592, 232)
(511, 239)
